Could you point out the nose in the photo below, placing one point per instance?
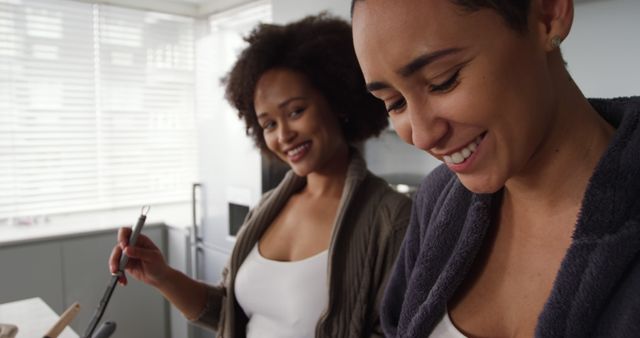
(285, 133)
(424, 127)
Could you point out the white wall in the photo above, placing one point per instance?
(230, 167)
(603, 48)
(289, 10)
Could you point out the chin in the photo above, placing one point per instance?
(481, 184)
(300, 170)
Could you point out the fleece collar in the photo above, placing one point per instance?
(607, 235)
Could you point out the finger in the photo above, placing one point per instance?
(123, 236)
(114, 264)
(145, 255)
(114, 259)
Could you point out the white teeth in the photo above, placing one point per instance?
(459, 156)
(295, 151)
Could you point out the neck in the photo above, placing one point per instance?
(556, 178)
(329, 181)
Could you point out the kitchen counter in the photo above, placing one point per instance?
(18, 235)
(33, 317)
(93, 223)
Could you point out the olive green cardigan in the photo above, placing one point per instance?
(368, 231)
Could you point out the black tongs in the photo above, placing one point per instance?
(113, 281)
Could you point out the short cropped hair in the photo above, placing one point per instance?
(515, 13)
(320, 48)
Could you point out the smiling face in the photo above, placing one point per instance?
(297, 123)
(460, 85)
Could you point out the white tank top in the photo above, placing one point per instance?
(282, 299)
(446, 329)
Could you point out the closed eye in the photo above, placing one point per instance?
(396, 105)
(447, 84)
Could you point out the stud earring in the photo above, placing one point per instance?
(556, 41)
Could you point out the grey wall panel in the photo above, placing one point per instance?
(138, 309)
(32, 270)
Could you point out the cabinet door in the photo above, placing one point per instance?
(138, 309)
(31, 270)
(178, 256)
(211, 262)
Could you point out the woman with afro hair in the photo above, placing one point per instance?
(312, 258)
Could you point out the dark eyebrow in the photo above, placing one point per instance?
(373, 86)
(415, 65)
(287, 101)
(282, 104)
(424, 60)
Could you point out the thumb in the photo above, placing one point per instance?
(145, 255)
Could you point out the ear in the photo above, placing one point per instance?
(553, 21)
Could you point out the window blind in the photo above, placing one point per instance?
(96, 108)
(146, 105)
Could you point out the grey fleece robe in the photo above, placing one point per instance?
(597, 290)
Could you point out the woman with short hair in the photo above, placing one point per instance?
(532, 224)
